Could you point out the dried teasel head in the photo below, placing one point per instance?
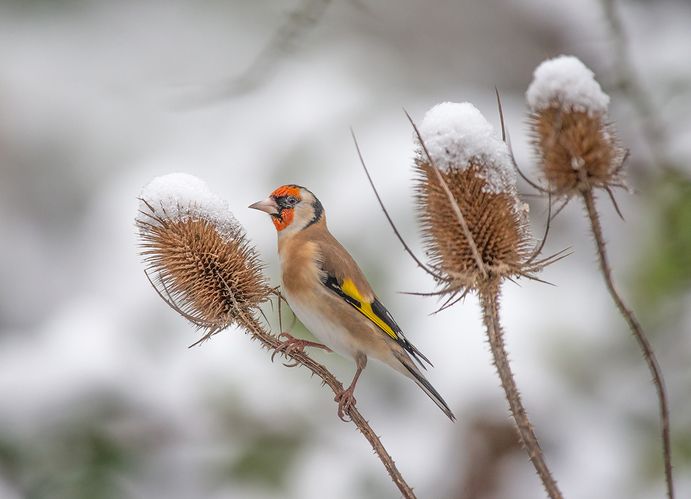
(576, 145)
(477, 168)
(197, 255)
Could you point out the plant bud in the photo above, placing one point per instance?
(476, 166)
(576, 145)
(197, 255)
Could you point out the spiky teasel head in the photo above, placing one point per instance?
(201, 261)
(576, 145)
(477, 168)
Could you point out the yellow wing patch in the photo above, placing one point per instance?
(365, 307)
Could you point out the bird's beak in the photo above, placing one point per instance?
(268, 205)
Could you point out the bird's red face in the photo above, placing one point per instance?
(281, 205)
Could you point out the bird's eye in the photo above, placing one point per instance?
(291, 200)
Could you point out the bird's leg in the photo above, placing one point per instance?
(345, 397)
(294, 344)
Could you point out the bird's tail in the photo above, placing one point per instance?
(413, 372)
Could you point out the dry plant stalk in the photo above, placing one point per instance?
(475, 231)
(578, 151)
(205, 268)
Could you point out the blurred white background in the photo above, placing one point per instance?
(100, 396)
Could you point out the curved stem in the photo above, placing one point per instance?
(271, 342)
(386, 214)
(638, 333)
(629, 84)
(489, 299)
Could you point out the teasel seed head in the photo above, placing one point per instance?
(197, 255)
(576, 144)
(477, 168)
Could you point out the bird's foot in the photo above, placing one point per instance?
(293, 344)
(345, 400)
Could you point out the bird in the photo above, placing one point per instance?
(328, 292)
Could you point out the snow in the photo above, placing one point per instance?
(454, 134)
(83, 332)
(567, 81)
(179, 196)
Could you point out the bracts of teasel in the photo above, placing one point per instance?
(459, 147)
(197, 255)
(475, 231)
(576, 144)
(201, 263)
(578, 151)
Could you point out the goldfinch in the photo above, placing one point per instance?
(328, 292)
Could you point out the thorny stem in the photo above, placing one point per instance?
(629, 84)
(298, 23)
(654, 132)
(386, 214)
(637, 332)
(489, 298)
(271, 342)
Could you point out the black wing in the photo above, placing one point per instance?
(376, 312)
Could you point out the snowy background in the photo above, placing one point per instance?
(99, 394)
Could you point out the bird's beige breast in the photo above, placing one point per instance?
(331, 319)
(300, 271)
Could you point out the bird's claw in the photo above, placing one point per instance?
(345, 400)
(293, 344)
(287, 346)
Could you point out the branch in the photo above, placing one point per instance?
(629, 84)
(298, 23)
(386, 214)
(489, 297)
(638, 333)
(271, 342)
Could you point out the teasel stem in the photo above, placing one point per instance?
(388, 217)
(490, 241)
(629, 83)
(580, 152)
(638, 333)
(200, 262)
(489, 300)
(253, 327)
(271, 342)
